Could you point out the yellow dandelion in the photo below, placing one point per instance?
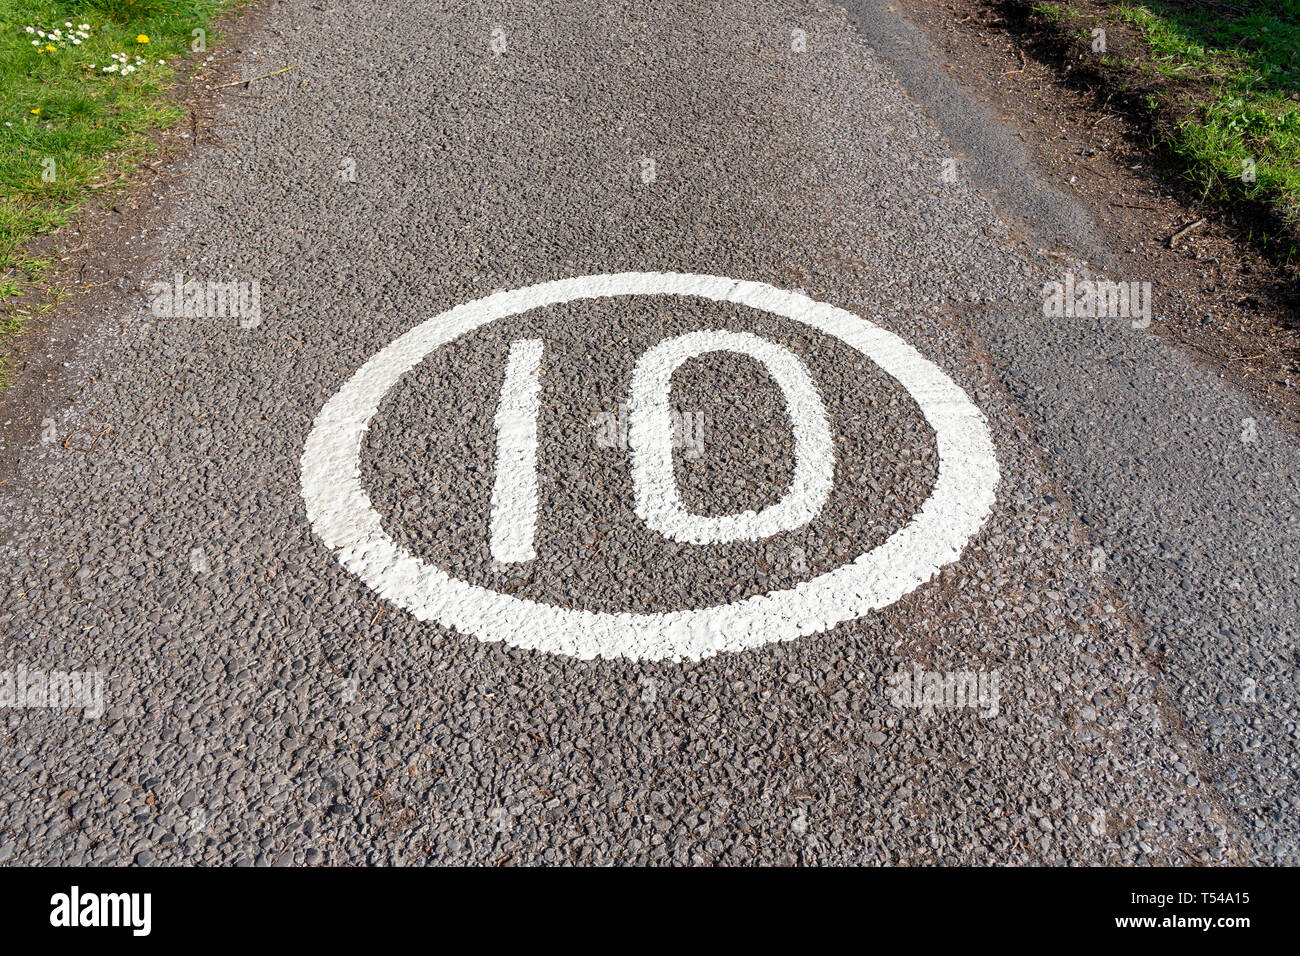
(142, 39)
(37, 111)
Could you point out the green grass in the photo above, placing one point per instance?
(70, 130)
(1230, 71)
(1056, 13)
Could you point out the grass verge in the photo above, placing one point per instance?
(82, 87)
(1222, 83)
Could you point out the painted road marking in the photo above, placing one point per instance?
(342, 517)
(650, 436)
(514, 494)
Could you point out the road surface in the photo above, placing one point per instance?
(649, 446)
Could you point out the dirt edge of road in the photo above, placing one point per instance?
(1215, 294)
(103, 255)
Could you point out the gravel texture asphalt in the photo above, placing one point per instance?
(1131, 598)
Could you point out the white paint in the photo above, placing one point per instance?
(650, 434)
(341, 514)
(514, 493)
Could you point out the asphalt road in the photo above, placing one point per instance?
(453, 553)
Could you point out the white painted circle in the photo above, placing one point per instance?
(343, 518)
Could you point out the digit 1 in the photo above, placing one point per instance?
(513, 523)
